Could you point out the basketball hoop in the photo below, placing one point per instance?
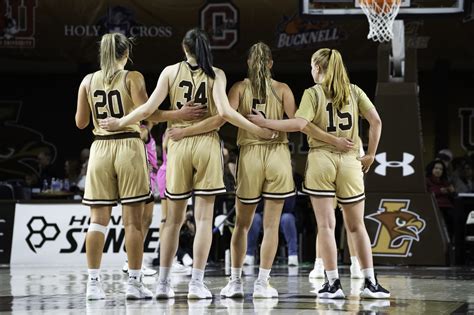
(380, 14)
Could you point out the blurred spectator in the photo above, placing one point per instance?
(45, 166)
(446, 156)
(72, 171)
(84, 157)
(463, 179)
(229, 170)
(186, 240)
(437, 183)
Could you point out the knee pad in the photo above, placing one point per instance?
(94, 227)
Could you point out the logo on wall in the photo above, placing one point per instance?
(40, 232)
(407, 169)
(19, 154)
(398, 228)
(467, 131)
(17, 23)
(221, 22)
(297, 32)
(122, 20)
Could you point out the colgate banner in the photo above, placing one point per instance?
(54, 234)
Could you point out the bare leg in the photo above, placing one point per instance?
(326, 220)
(203, 214)
(354, 220)
(147, 218)
(132, 215)
(95, 240)
(350, 243)
(245, 213)
(271, 225)
(164, 213)
(170, 232)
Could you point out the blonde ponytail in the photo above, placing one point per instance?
(259, 72)
(336, 82)
(113, 48)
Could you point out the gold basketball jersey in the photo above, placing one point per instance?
(191, 83)
(271, 108)
(110, 100)
(315, 107)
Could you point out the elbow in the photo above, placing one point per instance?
(301, 125)
(81, 124)
(225, 115)
(146, 113)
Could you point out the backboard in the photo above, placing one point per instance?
(345, 7)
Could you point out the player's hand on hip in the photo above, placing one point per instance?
(110, 123)
(344, 144)
(176, 134)
(257, 118)
(366, 161)
(189, 111)
(267, 134)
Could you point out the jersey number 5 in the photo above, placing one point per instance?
(107, 99)
(343, 125)
(199, 98)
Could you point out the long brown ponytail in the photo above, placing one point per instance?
(259, 72)
(113, 48)
(336, 82)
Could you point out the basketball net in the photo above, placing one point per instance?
(380, 15)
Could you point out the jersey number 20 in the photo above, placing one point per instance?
(107, 99)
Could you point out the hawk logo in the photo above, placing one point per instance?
(17, 23)
(398, 228)
(221, 21)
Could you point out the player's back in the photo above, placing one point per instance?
(342, 122)
(191, 83)
(111, 99)
(271, 108)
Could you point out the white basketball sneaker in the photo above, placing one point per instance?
(293, 260)
(94, 290)
(263, 290)
(249, 260)
(198, 290)
(356, 273)
(136, 290)
(233, 289)
(164, 290)
(317, 272)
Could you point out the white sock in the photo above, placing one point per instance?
(134, 274)
(164, 274)
(354, 261)
(235, 273)
(94, 274)
(197, 275)
(332, 275)
(318, 262)
(369, 274)
(263, 274)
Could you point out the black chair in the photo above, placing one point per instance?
(6, 192)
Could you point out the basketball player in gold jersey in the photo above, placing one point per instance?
(264, 169)
(117, 169)
(194, 163)
(334, 105)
